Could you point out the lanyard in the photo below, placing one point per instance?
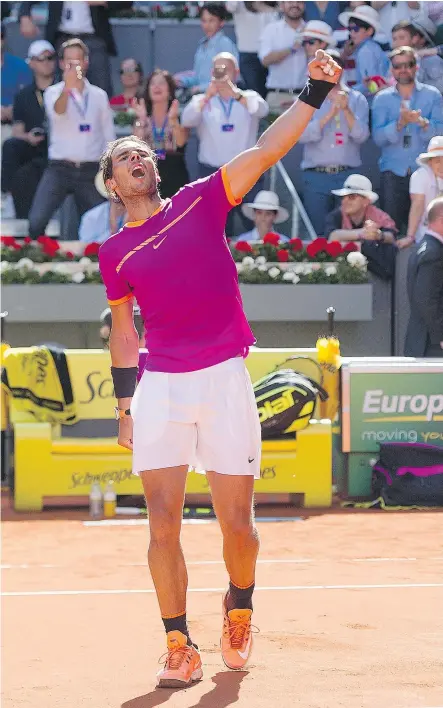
(82, 109)
(159, 135)
(39, 97)
(226, 109)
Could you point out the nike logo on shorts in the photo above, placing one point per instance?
(251, 459)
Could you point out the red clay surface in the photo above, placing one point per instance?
(319, 647)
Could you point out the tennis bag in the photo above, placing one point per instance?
(409, 474)
(286, 402)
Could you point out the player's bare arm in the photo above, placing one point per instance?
(245, 169)
(124, 349)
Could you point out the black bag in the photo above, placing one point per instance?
(286, 402)
(409, 474)
(381, 258)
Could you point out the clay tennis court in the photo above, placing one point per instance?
(348, 604)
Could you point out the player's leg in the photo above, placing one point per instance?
(164, 491)
(232, 497)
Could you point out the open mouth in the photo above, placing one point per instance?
(138, 172)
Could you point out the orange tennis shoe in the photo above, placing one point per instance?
(183, 663)
(236, 641)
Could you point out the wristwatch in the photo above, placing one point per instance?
(119, 413)
(238, 95)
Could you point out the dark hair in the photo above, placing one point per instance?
(401, 51)
(361, 23)
(404, 25)
(172, 86)
(217, 9)
(74, 42)
(252, 6)
(106, 158)
(138, 66)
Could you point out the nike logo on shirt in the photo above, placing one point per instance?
(157, 245)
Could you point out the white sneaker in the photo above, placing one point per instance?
(7, 206)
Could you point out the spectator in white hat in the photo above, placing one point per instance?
(317, 35)
(264, 211)
(425, 185)
(419, 34)
(357, 219)
(97, 224)
(24, 155)
(370, 60)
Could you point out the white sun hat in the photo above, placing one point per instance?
(435, 149)
(426, 28)
(268, 201)
(316, 29)
(100, 185)
(365, 13)
(357, 184)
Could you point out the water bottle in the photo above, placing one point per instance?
(110, 500)
(95, 501)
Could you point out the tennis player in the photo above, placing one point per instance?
(194, 405)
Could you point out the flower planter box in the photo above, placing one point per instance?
(263, 303)
(307, 303)
(53, 303)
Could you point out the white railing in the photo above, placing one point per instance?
(298, 210)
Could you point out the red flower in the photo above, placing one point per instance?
(28, 239)
(16, 247)
(334, 249)
(272, 238)
(70, 255)
(91, 249)
(321, 242)
(9, 241)
(50, 247)
(350, 246)
(243, 246)
(312, 249)
(296, 244)
(283, 256)
(43, 239)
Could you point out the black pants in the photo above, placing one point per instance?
(59, 180)
(395, 198)
(15, 154)
(22, 168)
(253, 73)
(99, 70)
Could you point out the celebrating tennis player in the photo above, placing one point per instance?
(194, 405)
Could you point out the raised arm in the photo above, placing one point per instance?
(245, 169)
(124, 348)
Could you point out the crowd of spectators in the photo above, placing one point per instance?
(60, 107)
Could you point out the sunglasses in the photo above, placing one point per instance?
(310, 42)
(356, 28)
(404, 65)
(48, 57)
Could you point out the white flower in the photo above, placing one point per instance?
(274, 272)
(261, 260)
(61, 268)
(25, 263)
(262, 268)
(240, 268)
(330, 270)
(299, 268)
(247, 261)
(85, 261)
(296, 280)
(289, 276)
(78, 277)
(4, 266)
(356, 259)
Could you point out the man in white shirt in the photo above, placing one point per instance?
(282, 53)
(80, 126)
(226, 118)
(425, 185)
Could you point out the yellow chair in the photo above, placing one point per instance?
(56, 464)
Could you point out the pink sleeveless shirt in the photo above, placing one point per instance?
(178, 266)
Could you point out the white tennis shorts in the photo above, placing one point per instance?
(206, 419)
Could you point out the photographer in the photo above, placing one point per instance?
(81, 125)
(24, 156)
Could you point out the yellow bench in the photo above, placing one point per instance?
(54, 463)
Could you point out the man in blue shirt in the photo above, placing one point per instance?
(15, 75)
(332, 149)
(215, 42)
(370, 60)
(404, 118)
